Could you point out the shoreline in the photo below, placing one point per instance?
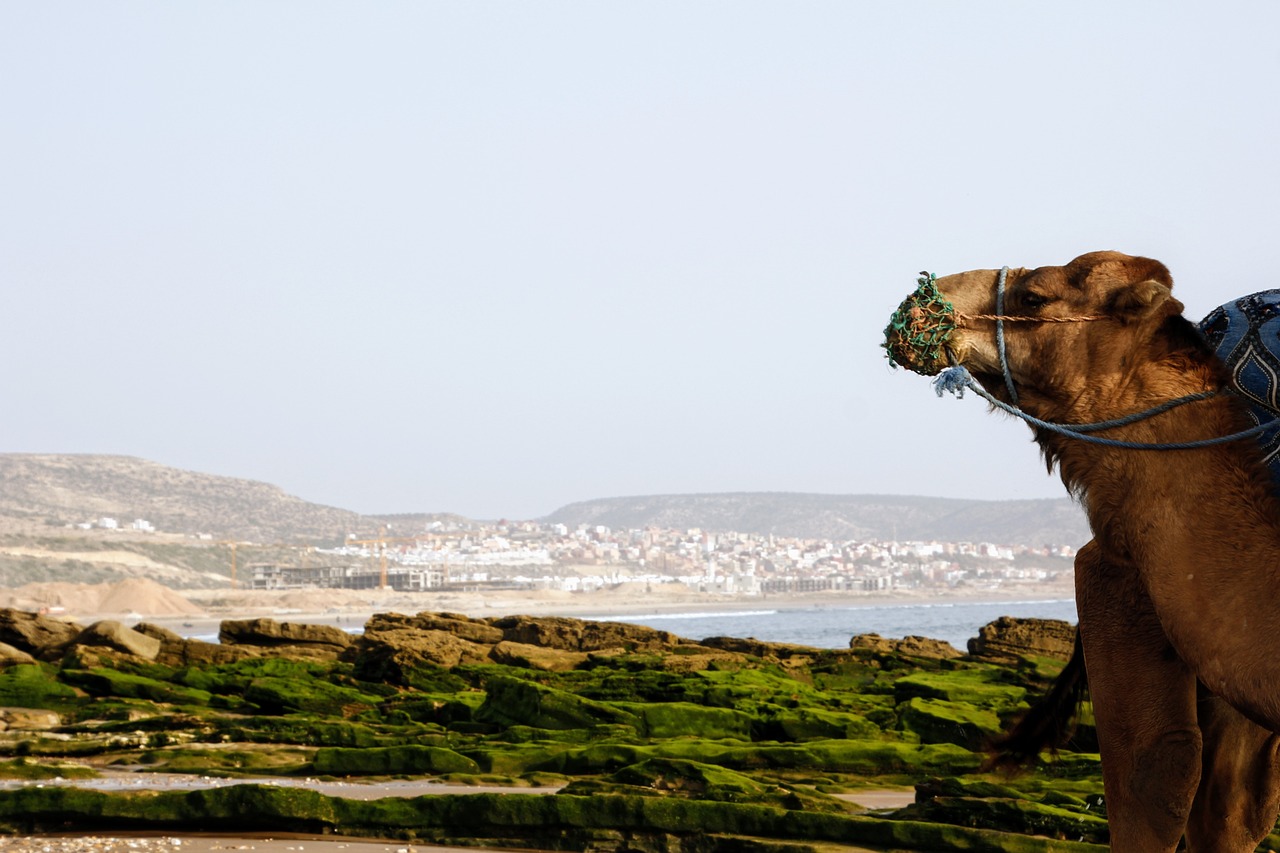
(663, 614)
(351, 615)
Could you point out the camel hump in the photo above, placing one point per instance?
(1245, 333)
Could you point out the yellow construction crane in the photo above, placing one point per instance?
(381, 541)
(233, 544)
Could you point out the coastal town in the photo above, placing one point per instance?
(551, 556)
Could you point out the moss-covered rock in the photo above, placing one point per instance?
(984, 687)
(865, 758)
(28, 768)
(112, 682)
(938, 721)
(440, 708)
(308, 696)
(515, 819)
(684, 719)
(225, 762)
(802, 724)
(294, 730)
(734, 742)
(515, 702)
(1010, 815)
(691, 778)
(392, 761)
(34, 686)
(594, 734)
(695, 780)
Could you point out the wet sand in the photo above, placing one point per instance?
(124, 780)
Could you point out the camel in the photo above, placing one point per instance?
(1147, 702)
(1187, 540)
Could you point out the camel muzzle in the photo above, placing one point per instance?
(917, 334)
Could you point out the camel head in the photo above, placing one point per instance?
(1066, 327)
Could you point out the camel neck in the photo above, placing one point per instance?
(1128, 492)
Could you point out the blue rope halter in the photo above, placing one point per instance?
(957, 378)
(1004, 362)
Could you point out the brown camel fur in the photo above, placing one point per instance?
(1191, 538)
(1140, 694)
(1175, 758)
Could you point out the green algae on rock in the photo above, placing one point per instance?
(392, 760)
(665, 744)
(550, 822)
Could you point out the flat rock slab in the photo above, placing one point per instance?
(132, 781)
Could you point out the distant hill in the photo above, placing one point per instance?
(57, 489)
(52, 490)
(72, 488)
(840, 517)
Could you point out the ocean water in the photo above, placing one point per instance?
(831, 627)
(824, 626)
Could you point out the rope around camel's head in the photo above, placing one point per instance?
(918, 331)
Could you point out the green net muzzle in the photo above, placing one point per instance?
(918, 331)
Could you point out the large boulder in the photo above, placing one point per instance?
(36, 634)
(1008, 639)
(762, 649)
(28, 719)
(164, 635)
(199, 653)
(178, 651)
(109, 634)
(10, 656)
(537, 657)
(410, 656)
(462, 627)
(912, 646)
(286, 637)
(578, 635)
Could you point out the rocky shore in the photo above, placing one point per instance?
(633, 737)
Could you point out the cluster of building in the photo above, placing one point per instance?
(140, 525)
(531, 555)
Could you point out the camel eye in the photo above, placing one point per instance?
(1034, 300)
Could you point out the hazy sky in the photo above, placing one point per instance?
(492, 258)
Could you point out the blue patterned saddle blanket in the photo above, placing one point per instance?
(1246, 335)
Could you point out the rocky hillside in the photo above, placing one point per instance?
(70, 488)
(1025, 522)
(52, 490)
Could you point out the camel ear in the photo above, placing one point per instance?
(1143, 300)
